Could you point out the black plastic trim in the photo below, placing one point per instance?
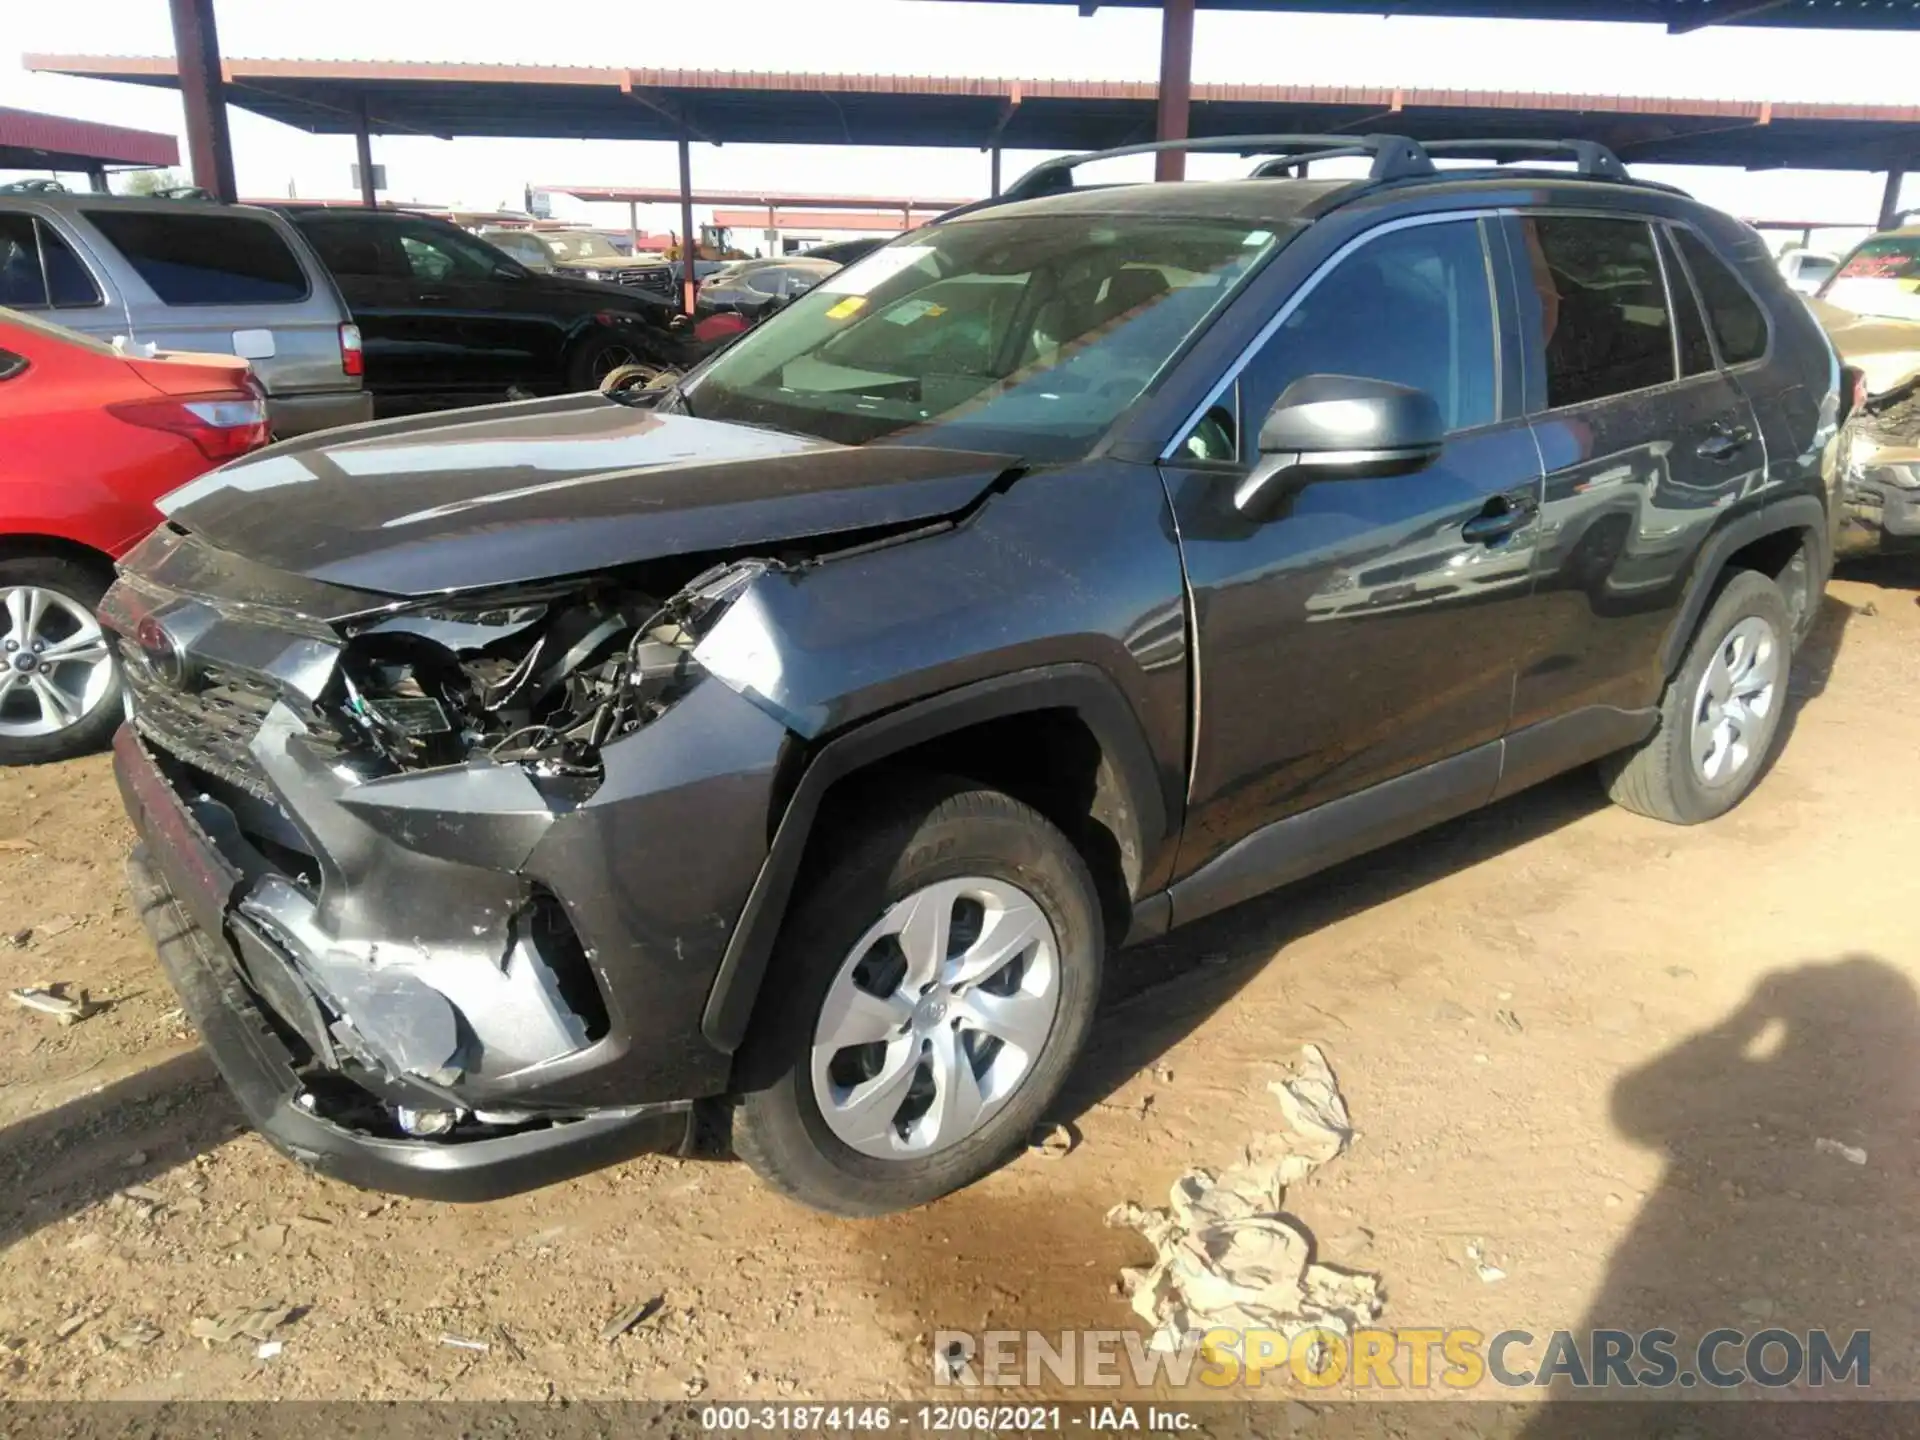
(1539, 752)
(1298, 845)
(1793, 512)
(1082, 688)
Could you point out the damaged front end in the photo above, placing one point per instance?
(423, 824)
(1881, 455)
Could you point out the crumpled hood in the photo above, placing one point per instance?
(1883, 348)
(547, 488)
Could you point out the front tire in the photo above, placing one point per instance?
(59, 684)
(928, 995)
(1720, 715)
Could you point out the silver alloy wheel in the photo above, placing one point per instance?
(1735, 697)
(55, 666)
(936, 1016)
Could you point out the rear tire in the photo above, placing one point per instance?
(64, 698)
(856, 1124)
(1720, 715)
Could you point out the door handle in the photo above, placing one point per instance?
(433, 297)
(1499, 518)
(1724, 442)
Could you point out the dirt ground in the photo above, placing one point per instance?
(1599, 1047)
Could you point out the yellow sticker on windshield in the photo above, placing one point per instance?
(852, 305)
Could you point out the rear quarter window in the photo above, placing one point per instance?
(1737, 319)
(201, 259)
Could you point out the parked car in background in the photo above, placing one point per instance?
(1806, 271)
(1870, 310)
(90, 437)
(754, 289)
(583, 254)
(845, 252)
(447, 319)
(782, 749)
(190, 275)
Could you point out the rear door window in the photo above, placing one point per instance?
(1603, 327)
(38, 268)
(190, 258)
(22, 285)
(348, 247)
(1739, 323)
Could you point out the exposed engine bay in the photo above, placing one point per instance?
(543, 681)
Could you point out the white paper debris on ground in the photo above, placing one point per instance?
(1227, 1256)
(1852, 1154)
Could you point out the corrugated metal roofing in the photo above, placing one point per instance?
(32, 141)
(584, 102)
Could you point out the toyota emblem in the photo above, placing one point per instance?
(161, 652)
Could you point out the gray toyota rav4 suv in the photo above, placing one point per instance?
(782, 752)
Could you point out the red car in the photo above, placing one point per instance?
(90, 437)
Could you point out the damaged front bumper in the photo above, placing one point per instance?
(456, 981)
(257, 1065)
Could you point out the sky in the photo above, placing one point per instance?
(922, 37)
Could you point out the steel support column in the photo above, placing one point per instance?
(1890, 197)
(633, 226)
(1176, 85)
(993, 172)
(363, 144)
(196, 47)
(689, 242)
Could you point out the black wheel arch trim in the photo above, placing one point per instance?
(1083, 688)
(1804, 513)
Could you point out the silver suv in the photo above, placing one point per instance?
(189, 275)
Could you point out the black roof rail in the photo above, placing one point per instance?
(1394, 158)
(1591, 158)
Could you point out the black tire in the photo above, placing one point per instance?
(939, 831)
(597, 356)
(84, 585)
(1658, 777)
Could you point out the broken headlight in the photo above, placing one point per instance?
(541, 680)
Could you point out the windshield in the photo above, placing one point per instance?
(1881, 277)
(1019, 334)
(580, 247)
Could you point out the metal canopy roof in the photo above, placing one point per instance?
(1678, 16)
(580, 102)
(30, 141)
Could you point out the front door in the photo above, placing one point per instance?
(1372, 628)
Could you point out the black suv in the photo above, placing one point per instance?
(788, 747)
(447, 319)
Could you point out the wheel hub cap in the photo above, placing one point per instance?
(1733, 706)
(56, 666)
(937, 1015)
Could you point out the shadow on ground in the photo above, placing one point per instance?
(1791, 1132)
(58, 1163)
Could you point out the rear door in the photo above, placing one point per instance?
(229, 282)
(1645, 441)
(406, 351)
(506, 326)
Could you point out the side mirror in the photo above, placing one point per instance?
(1341, 427)
(508, 270)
